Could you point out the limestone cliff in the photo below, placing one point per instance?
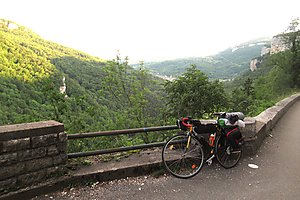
(277, 45)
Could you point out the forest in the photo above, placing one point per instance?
(109, 95)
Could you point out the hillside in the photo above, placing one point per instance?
(225, 65)
(32, 71)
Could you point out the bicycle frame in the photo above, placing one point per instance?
(212, 150)
(191, 131)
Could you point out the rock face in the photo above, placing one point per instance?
(265, 50)
(277, 45)
(63, 88)
(253, 66)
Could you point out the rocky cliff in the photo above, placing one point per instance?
(277, 45)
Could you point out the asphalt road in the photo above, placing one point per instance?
(277, 175)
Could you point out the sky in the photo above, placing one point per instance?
(151, 30)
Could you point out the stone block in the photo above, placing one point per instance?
(275, 113)
(264, 118)
(17, 131)
(30, 178)
(62, 147)
(52, 150)
(11, 170)
(56, 171)
(62, 137)
(7, 185)
(23, 143)
(8, 158)
(44, 140)
(60, 159)
(32, 153)
(52, 170)
(261, 135)
(15, 145)
(38, 164)
(250, 127)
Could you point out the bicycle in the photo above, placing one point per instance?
(184, 154)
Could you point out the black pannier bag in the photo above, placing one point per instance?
(205, 129)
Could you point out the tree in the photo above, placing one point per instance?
(292, 39)
(130, 90)
(56, 99)
(243, 97)
(192, 94)
(248, 88)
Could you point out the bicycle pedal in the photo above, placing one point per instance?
(209, 162)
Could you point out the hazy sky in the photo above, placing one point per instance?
(151, 29)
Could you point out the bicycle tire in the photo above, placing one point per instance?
(226, 156)
(180, 161)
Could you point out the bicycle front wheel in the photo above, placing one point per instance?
(182, 157)
(226, 156)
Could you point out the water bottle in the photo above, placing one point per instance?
(212, 139)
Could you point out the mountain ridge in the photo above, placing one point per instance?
(227, 64)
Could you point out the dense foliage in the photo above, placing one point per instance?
(192, 94)
(99, 95)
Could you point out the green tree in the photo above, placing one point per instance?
(56, 99)
(243, 97)
(248, 88)
(292, 40)
(194, 95)
(130, 90)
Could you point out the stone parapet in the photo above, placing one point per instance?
(31, 153)
(266, 121)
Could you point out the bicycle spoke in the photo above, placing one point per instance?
(225, 157)
(180, 161)
(222, 156)
(176, 161)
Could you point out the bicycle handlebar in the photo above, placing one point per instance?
(184, 120)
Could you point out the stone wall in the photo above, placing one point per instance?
(261, 125)
(31, 153)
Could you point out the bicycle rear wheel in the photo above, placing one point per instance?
(226, 156)
(183, 160)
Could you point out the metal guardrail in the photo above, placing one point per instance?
(117, 132)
